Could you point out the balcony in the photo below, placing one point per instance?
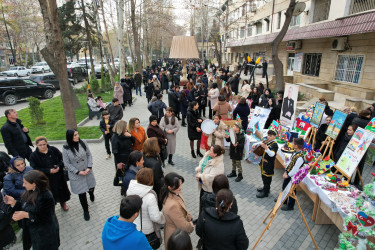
(361, 5)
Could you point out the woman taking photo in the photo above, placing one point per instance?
(243, 111)
(210, 166)
(138, 132)
(13, 181)
(217, 137)
(174, 208)
(222, 107)
(152, 160)
(219, 228)
(78, 159)
(48, 159)
(154, 130)
(169, 124)
(194, 127)
(122, 142)
(37, 212)
(150, 216)
(213, 95)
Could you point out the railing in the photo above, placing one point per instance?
(361, 5)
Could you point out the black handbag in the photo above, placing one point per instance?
(117, 180)
(163, 153)
(66, 175)
(152, 238)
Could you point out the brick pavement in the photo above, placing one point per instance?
(287, 231)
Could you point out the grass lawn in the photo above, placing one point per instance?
(54, 128)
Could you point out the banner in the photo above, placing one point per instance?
(289, 105)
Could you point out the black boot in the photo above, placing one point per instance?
(183, 122)
(199, 153)
(239, 178)
(260, 189)
(86, 215)
(262, 194)
(83, 200)
(193, 154)
(170, 160)
(92, 196)
(233, 174)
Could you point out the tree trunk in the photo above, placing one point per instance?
(120, 4)
(278, 65)
(137, 44)
(88, 35)
(54, 54)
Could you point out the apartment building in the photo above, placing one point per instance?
(329, 44)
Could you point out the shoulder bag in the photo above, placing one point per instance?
(152, 238)
(117, 180)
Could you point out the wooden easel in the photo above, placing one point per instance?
(328, 144)
(339, 170)
(312, 135)
(276, 209)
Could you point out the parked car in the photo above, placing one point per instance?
(48, 78)
(12, 90)
(17, 71)
(40, 67)
(98, 70)
(82, 62)
(77, 73)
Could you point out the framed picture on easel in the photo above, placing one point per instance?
(317, 114)
(354, 151)
(336, 123)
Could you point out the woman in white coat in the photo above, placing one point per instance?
(169, 124)
(150, 217)
(213, 96)
(245, 89)
(210, 166)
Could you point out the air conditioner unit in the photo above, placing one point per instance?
(339, 43)
(253, 8)
(293, 45)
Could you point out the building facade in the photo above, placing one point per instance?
(329, 46)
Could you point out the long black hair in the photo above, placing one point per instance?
(41, 184)
(180, 240)
(170, 180)
(224, 199)
(70, 143)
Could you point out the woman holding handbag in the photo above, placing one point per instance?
(150, 216)
(170, 125)
(154, 130)
(48, 159)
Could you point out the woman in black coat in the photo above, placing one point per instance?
(48, 159)
(274, 114)
(7, 235)
(164, 83)
(183, 106)
(149, 89)
(122, 142)
(265, 97)
(153, 130)
(243, 111)
(321, 133)
(37, 212)
(203, 94)
(152, 160)
(194, 127)
(220, 229)
(254, 96)
(341, 144)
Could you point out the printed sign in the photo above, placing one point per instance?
(289, 105)
(336, 123)
(298, 62)
(317, 114)
(354, 151)
(259, 115)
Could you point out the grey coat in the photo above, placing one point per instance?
(80, 161)
(171, 145)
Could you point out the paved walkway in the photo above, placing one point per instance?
(287, 232)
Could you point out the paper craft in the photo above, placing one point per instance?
(336, 123)
(317, 114)
(302, 125)
(259, 116)
(354, 151)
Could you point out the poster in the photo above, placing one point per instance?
(370, 156)
(336, 123)
(317, 114)
(302, 125)
(371, 125)
(289, 105)
(298, 62)
(354, 151)
(259, 115)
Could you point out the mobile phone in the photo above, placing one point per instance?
(3, 197)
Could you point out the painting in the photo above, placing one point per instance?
(354, 151)
(317, 114)
(370, 156)
(259, 115)
(336, 123)
(371, 125)
(288, 110)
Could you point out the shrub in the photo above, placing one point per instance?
(81, 90)
(36, 112)
(94, 83)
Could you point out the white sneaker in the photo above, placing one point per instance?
(107, 157)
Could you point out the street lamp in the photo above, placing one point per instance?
(87, 70)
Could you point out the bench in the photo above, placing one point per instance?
(93, 113)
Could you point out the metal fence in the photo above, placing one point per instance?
(348, 68)
(361, 5)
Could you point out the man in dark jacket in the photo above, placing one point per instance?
(15, 135)
(236, 151)
(176, 78)
(115, 110)
(234, 83)
(173, 101)
(138, 82)
(157, 108)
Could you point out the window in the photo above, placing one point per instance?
(29, 82)
(242, 32)
(295, 21)
(311, 64)
(361, 5)
(243, 9)
(348, 68)
(259, 27)
(267, 23)
(321, 10)
(249, 30)
(278, 24)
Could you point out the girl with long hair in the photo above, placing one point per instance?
(138, 132)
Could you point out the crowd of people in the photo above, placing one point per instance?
(153, 202)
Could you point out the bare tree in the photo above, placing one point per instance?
(278, 65)
(120, 5)
(88, 35)
(54, 54)
(135, 36)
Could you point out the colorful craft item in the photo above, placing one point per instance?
(343, 184)
(256, 126)
(365, 220)
(302, 125)
(325, 165)
(238, 117)
(300, 175)
(352, 227)
(333, 178)
(371, 125)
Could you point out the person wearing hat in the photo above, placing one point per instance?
(267, 164)
(236, 151)
(154, 130)
(156, 83)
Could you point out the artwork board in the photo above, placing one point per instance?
(334, 127)
(259, 115)
(371, 125)
(288, 110)
(317, 114)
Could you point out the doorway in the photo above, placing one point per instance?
(290, 66)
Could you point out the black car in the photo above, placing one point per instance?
(48, 78)
(76, 73)
(12, 90)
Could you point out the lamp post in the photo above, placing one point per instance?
(87, 70)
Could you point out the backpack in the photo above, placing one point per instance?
(155, 109)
